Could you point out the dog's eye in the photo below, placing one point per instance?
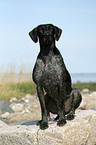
(50, 28)
(41, 30)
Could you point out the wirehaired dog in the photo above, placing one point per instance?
(50, 74)
(71, 104)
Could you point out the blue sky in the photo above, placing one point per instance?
(76, 18)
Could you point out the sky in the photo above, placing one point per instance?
(77, 44)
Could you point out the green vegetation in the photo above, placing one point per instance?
(19, 90)
(90, 85)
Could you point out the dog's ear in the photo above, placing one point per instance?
(58, 32)
(33, 35)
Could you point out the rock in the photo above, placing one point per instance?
(28, 97)
(25, 111)
(81, 130)
(82, 105)
(2, 124)
(94, 108)
(5, 107)
(17, 107)
(85, 90)
(93, 94)
(14, 99)
(27, 101)
(89, 100)
(5, 115)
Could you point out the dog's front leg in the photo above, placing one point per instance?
(44, 122)
(61, 108)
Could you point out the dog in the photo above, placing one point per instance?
(50, 74)
(71, 104)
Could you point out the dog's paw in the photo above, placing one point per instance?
(39, 122)
(70, 117)
(43, 125)
(61, 122)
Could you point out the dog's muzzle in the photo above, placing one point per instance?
(48, 39)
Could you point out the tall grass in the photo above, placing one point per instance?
(8, 74)
(90, 85)
(18, 85)
(14, 84)
(14, 77)
(18, 90)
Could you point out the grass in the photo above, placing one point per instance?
(12, 77)
(90, 85)
(19, 90)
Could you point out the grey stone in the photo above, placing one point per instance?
(80, 131)
(83, 105)
(2, 124)
(5, 115)
(5, 107)
(85, 90)
(17, 107)
(89, 100)
(93, 94)
(14, 99)
(94, 108)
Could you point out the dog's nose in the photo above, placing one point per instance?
(46, 33)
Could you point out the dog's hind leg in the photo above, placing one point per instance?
(76, 100)
(71, 115)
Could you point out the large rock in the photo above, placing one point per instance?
(81, 130)
(5, 107)
(89, 101)
(17, 107)
(2, 124)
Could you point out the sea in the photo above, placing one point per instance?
(83, 77)
(75, 77)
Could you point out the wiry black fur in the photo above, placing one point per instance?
(71, 104)
(50, 73)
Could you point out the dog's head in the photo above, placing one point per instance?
(46, 33)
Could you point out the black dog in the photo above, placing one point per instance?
(71, 104)
(50, 73)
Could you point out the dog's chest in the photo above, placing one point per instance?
(47, 72)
